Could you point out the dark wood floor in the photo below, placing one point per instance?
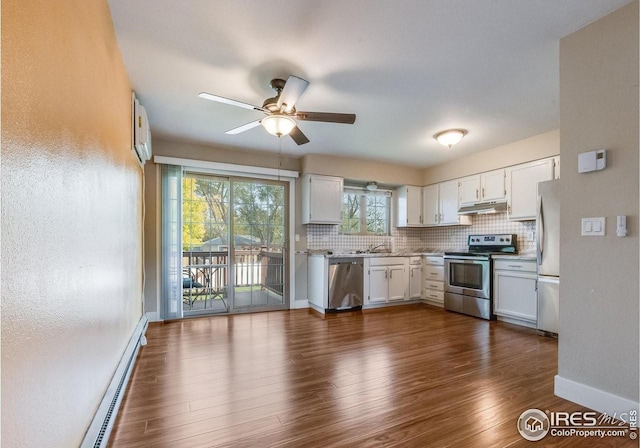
(406, 376)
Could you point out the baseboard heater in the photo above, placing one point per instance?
(97, 436)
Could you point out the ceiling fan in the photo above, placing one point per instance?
(280, 111)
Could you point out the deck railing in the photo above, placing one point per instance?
(207, 273)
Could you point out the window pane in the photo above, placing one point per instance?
(350, 213)
(377, 214)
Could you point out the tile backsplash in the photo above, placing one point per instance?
(325, 237)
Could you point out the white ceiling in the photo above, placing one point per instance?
(406, 68)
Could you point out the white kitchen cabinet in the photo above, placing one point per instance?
(434, 280)
(515, 294)
(387, 279)
(397, 282)
(408, 206)
(522, 188)
(440, 205)
(431, 205)
(485, 187)
(415, 278)
(492, 186)
(321, 199)
(378, 284)
(469, 190)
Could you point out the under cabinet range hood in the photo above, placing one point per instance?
(484, 208)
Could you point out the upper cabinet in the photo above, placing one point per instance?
(522, 187)
(492, 186)
(408, 206)
(469, 190)
(485, 187)
(321, 199)
(440, 205)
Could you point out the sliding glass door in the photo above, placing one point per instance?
(234, 244)
(259, 225)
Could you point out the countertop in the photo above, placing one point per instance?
(324, 253)
(524, 256)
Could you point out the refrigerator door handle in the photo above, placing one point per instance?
(540, 224)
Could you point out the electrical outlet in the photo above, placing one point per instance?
(530, 235)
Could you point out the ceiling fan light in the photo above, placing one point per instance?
(372, 186)
(278, 125)
(450, 137)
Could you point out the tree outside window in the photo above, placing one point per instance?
(365, 213)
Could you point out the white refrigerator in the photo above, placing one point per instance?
(548, 255)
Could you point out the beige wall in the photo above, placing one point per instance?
(71, 218)
(362, 170)
(598, 345)
(187, 150)
(533, 148)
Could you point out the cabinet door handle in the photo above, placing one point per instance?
(483, 192)
(515, 266)
(386, 274)
(435, 217)
(411, 272)
(477, 195)
(390, 274)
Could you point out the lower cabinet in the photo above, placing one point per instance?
(514, 290)
(415, 278)
(387, 279)
(434, 280)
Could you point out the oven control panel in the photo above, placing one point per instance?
(496, 242)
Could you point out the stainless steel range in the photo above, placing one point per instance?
(468, 276)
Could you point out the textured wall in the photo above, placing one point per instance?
(71, 218)
(598, 343)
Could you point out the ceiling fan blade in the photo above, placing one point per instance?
(244, 127)
(298, 137)
(327, 117)
(293, 88)
(221, 99)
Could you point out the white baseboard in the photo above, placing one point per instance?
(153, 316)
(592, 398)
(511, 320)
(298, 304)
(99, 430)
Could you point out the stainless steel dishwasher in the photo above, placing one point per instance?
(346, 283)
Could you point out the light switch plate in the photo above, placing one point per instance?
(593, 226)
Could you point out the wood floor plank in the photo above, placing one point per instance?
(404, 376)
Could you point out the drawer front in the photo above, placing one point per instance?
(515, 265)
(435, 286)
(433, 260)
(434, 273)
(386, 261)
(436, 296)
(415, 260)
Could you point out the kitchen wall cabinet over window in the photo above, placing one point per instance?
(522, 188)
(408, 206)
(321, 199)
(440, 205)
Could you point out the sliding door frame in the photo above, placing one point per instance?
(244, 172)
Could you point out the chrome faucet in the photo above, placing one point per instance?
(372, 247)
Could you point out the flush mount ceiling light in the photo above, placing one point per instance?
(278, 125)
(450, 137)
(372, 186)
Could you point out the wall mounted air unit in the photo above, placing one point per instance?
(141, 132)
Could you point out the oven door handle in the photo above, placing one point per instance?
(464, 259)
